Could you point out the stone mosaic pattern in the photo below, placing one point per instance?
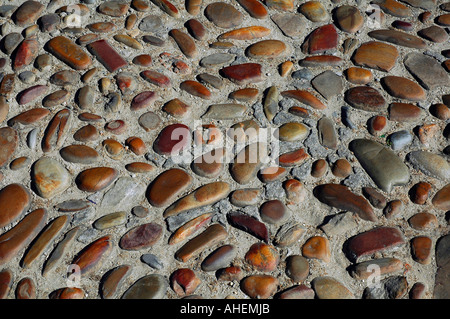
(110, 112)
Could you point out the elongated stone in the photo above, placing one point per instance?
(441, 199)
(245, 33)
(18, 237)
(113, 8)
(95, 179)
(403, 88)
(376, 55)
(225, 111)
(205, 195)
(426, 70)
(363, 270)
(248, 224)
(223, 15)
(305, 97)
(141, 237)
(321, 39)
(172, 139)
(153, 286)
(90, 257)
(6, 281)
(107, 55)
(32, 93)
(81, 154)
(270, 104)
(167, 186)
(59, 251)
(430, 164)
(399, 38)
(384, 167)
(327, 133)
(114, 280)
(29, 117)
(219, 258)
(196, 89)
(156, 78)
(189, 228)
(14, 200)
(167, 7)
(28, 13)
(378, 239)
(56, 131)
(25, 54)
(184, 42)
(243, 74)
(211, 236)
(68, 52)
(341, 197)
(327, 287)
(266, 49)
(51, 231)
(441, 287)
(67, 293)
(8, 144)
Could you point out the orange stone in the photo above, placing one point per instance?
(403, 88)
(259, 286)
(292, 158)
(255, 8)
(90, 257)
(376, 55)
(304, 97)
(167, 186)
(68, 52)
(317, 247)
(14, 200)
(263, 257)
(357, 75)
(95, 179)
(67, 293)
(245, 33)
(136, 145)
(196, 88)
(266, 49)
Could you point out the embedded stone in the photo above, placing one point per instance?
(49, 177)
(141, 237)
(14, 200)
(376, 55)
(167, 186)
(64, 49)
(96, 179)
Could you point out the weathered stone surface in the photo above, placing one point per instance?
(14, 200)
(28, 13)
(95, 179)
(341, 197)
(426, 70)
(384, 167)
(167, 186)
(399, 38)
(249, 224)
(153, 286)
(68, 52)
(91, 257)
(259, 286)
(376, 55)
(327, 287)
(141, 237)
(50, 177)
(430, 164)
(442, 287)
(113, 281)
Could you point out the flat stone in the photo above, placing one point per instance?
(56, 98)
(13, 209)
(123, 193)
(68, 52)
(113, 8)
(364, 270)
(314, 11)
(26, 289)
(421, 249)
(280, 5)
(295, 191)
(249, 224)
(196, 29)
(28, 13)
(376, 55)
(87, 133)
(248, 162)
(434, 33)
(149, 121)
(398, 38)
(290, 24)
(297, 292)
(208, 238)
(223, 15)
(384, 167)
(266, 49)
(394, 287)
(205, 195)
(404, 112)
(56, 131)
(394, 8)
(292, 158)
(156, 78)
(430, 164)
(423, 4)
(107, 55)
(340, 224)
(272, 174)
(341, 197)
(141, 237)
(321, 39)
(101, 27)
(317, 247)
(297, 268)
(230, 273)
(67, 293)
(184, 42)
(167, 186)
(65, 77)
(441, 199)
(196, 89)
(45, 238)
(153, 286)
(184, 281)
(143, 100)
(403, 88)
(423, 221)
(9, 140)
(210, 164)
(327, 287)
(245, 33)
(25, 53)
(375, 197)
(189, 228)
(292, 131)
(216, 59)
(254, 8)
(96, 178)
(262, 257)
(349, 18)
(243, 74)
(327, 133)
(259, 286)
(167, 7)
(59, 251)
(18, 237)
(128, 41)
(304, 97)
(219, 258)
(427, 71)
(441, 286)
(30, 94)
(270, 103)
(6, 281)
(172, 139)
(49, 177)
(245, 197)
(328, 84)
(378, 239)
(113, 280)
(90, 257)
(273, 211)
(139, 167)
